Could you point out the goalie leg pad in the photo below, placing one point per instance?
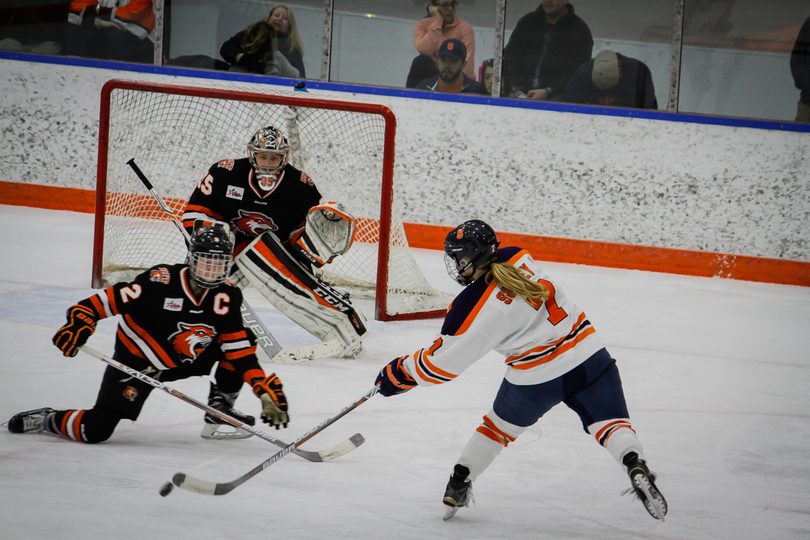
(293, 290)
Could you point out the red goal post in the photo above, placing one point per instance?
(175, 132)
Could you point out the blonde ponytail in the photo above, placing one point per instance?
(513, 279)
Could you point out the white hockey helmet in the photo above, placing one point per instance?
(268, 140)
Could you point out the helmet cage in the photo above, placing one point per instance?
(210, 253)
(268, 140)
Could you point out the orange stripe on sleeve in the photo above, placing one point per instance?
(241, 353)
(111, 300)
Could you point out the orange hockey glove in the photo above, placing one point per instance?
(81, 323)
(274, 402)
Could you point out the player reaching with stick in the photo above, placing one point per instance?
(553, 355)
(284, 229)
(177, 321)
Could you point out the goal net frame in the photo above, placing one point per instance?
(282, 98)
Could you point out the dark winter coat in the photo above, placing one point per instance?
(570, 45)
(635, 87)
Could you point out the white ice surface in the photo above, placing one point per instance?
(715, 373)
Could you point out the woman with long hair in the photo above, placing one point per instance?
(288, 42)
(253, 50)
(553, 355)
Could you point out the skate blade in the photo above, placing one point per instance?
(450, 512)
(223, 432)
(655, 506)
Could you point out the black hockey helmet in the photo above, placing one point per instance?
(210, 253)
(471, 244)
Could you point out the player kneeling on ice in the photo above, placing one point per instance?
(553, 355)
(284, 230)
(177, 321)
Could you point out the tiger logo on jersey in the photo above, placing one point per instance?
(160, 275)
(191, 339)
(253, 223)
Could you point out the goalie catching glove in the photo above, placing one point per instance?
(329, 232)
(274, 402)
(81, 323)
(393, 379)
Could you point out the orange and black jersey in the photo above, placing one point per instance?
(163, 324)
(229, 192)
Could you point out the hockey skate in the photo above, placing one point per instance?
(214, 427)
(29, 421)
(644, 486)
(458, 493)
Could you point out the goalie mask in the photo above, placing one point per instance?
(470, 245)
(264, 150)
(210, 254)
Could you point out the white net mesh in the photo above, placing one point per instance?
(175, 138)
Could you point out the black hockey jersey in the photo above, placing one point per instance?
(230, 193)
(164, 324)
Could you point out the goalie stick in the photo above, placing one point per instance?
(266, 341)
(324, 455)
(190, 483)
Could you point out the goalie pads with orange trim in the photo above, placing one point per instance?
(329, 232)
(293, 290)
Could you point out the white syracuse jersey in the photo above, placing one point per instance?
(540, 340)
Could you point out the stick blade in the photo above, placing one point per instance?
(343, 448)
(195, 485)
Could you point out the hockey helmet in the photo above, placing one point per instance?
(471, 244)
(210, 253)
(268, 141)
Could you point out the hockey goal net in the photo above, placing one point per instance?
(174, 133)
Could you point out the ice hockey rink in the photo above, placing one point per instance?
(716, 374)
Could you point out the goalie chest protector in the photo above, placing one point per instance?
(231, 193)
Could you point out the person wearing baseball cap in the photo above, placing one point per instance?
(451, 78)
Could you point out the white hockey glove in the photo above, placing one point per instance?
(329, 232)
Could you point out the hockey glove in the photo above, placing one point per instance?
(393, 379)
(274, 402)
(81, 323)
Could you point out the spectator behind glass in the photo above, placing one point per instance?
(253, 50)
(288, 42)
(800, 68)
(443, 24)
(111, 30)
(611, 79)
(485, 73)
(35, 29)
(545, 49)
(451, 78)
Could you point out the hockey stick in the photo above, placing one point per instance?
(324, 455)
(190, 483)
(268, 343)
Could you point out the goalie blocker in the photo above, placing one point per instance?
(296, 292)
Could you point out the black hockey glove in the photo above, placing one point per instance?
(252, 62)
(393, 379)
(274, 402)
(81, 323)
